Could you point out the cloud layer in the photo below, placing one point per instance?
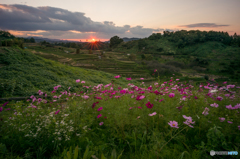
(60, 22)
(203, 25)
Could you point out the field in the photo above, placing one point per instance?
(84, 107)
(171, 119)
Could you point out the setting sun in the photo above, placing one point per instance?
(93, 39)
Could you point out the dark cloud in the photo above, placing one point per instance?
(56, 21)
(207, 25)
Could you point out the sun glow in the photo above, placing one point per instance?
(93, 40)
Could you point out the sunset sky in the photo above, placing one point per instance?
(103, 19)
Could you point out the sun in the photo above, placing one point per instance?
(93, 40)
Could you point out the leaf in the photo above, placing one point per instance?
(86, 153)
(76, 153)
(114, 155)
(103, 157)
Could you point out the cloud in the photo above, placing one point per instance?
(58, 22)
(202, 25)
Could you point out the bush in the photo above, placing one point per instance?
(176, 64)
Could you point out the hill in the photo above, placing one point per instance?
(23, 74)
(210, 52)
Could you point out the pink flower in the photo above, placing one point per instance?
(53, 91)
(140, 97)
(139, 107)
(55, 96)
(57, 112)
(85, 96)
(171, 95)
(219, 98)
(214, 105)
(161, 100)
(118, 76)
(149, 105)
(83, 82)
(155, 70)
(230, 122)
(177, 79)
(128, 78)
(229, 107)
(141, 78)
(1, 109)
(101, 123)
(225, 82)
(78, 80)
(138, 117)
(239, 127)
(99, 115)
(221, 119)
(130, 108)
(99, 109)
(154, 113)
(56, 88)
(173, 124)
(123, 91)
(196, 97)
(205, 112)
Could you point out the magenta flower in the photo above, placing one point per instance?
(171, 95)
(5, 104)
(141, 78)
(161, 100)
(180, 107)
(56, 88)
(98, 97)
(219, 98)
(140, 97)
(123, 91)
(99, 109)
(239, 127)
(7, 109)
(139, 107)
(1, 109)
(99, 115)
(129, 78)
(57, 112)
(154, 113)
(189, 122)
(225, 82)
(118, 76)
(221, 119)
(173, 124)
(205, 112)
(155, 70)
(196, 97)
(149, 105)
(177, 79)
(55, 96)
(230, 122)
(78, 80)
(83, 82)
(214, 105)
(101, 123)
(53, 91)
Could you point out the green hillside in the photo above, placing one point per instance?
(23, 74)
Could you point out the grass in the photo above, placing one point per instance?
(119, 126)
(23, 74)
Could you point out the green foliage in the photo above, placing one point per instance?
(114, 41)
(24, 73)
(78, 51)
(132, 57)
(141, 44)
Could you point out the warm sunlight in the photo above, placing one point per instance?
(93, 40)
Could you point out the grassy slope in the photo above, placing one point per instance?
(23, 74)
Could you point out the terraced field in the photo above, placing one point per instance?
(111, 62)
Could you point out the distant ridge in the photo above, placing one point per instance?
(125, 39)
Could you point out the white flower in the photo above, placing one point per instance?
(213, 91)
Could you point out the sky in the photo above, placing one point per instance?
(103, 19)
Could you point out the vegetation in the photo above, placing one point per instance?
(23, 74)
(112, 122)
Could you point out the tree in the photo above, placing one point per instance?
(77, 51)
(114, 41)
(141, 44)
(32, 40)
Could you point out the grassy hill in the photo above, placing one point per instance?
(23, 73)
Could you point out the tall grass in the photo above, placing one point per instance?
(130, 122)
